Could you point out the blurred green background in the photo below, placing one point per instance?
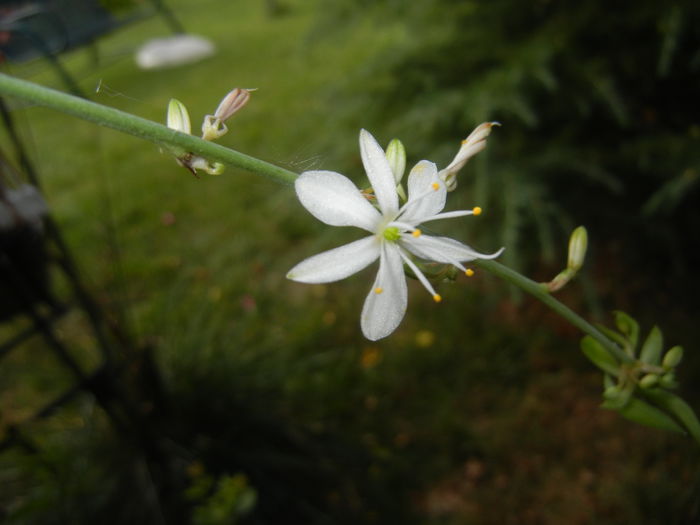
(480, 410)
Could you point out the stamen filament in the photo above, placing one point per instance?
(423, 280)
(412, 200)
(448, 215)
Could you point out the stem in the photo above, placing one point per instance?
(543, 295)
(139, 127)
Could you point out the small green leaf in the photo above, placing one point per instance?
(628, 327)
(678, 408)
(599, 356)
(612, 334)
(651, 349)
(642, 412)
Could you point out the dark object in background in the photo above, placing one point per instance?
(22, 246)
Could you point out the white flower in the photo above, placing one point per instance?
(335, 200)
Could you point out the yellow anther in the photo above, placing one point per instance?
(416, 233)
(435, 186)
(464, 141)
(469, 272)
(476, 210)
(437, 298)
(378, 290)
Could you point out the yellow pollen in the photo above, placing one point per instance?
(416, 232)
(437, 298)
(435, 186)
(378, 290)
(464, 141)
(469, 272)
(476, 210)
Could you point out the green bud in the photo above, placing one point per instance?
(178, 117)
(611, 393)
(578, 244)
(673, 357)
(648, 381)
(396, 155)
(668, 380)
(616, 398)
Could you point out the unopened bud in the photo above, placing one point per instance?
(673, 357)
(396, 155)
(472, 145)
(612, 393)
(212, 168)
(578, 243)
(648, 381)
(213, 126)
(178, 117)
(668, 380)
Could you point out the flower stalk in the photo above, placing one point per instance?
(138, 127)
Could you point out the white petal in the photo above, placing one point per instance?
(424, 200)
(379, 173)
(383, 312)
(335, 200)
(443, 249)
(337, 263)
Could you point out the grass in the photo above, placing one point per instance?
(472, 412)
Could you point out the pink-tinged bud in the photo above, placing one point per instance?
(473, 144)
(232, 102)
(213, 126)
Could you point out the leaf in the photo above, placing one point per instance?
(651, 349)
(674, 405)
(628, 326)
(645, 414)
(599, 356)
(612, 334)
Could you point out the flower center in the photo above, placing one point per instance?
(392, 234)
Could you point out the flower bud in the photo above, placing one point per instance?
(232, 102)
(668, 380)
(396, 155)
(673, 357)
(649, 380)
(178, 117)
(578, 243)
(213, 126)
(472, 145)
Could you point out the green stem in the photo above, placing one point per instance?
(139, 127)
(537, 290)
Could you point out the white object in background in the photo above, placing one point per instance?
(173, 51)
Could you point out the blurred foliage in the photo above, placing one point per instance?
(474, 412)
